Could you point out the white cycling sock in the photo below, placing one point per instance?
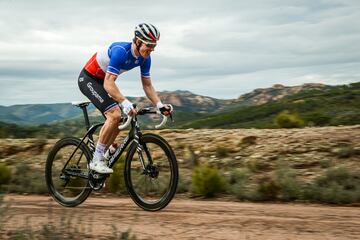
(100, 150)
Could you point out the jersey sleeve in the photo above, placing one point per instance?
(145, 67)
(117, 57)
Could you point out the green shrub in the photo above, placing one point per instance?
(338, 185)
(289, 188)
(285, 119)
(190, 157)
(268, 189)
(256, 165)
(325, 163)
(207, 181)
(116, 180)
(5, 174)
(69, 227)
(238, 181)
(27, 180)
(317, 118)
(183, 185)
(344, 152)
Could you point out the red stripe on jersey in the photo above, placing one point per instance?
(93, 67)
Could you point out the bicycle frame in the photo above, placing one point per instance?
(134, 134)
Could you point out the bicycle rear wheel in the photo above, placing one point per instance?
(68, 181)
(154, 187)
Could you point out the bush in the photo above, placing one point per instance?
(238, 181)
(325, 163)
(344, 152)
(256, 165)
(338, 185)
(27, 180)
(207, 181)
(289, 188)
(183, 185)
(317, 118)
(190, 157)
(268, 189)
(5, 174)
(69, 227)
(285, 119)
(116, 180)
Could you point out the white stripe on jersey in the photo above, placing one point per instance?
(102, 58)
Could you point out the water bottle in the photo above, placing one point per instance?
(110, 151)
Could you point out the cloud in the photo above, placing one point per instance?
(216, 48)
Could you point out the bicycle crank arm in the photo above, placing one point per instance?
(70, 172)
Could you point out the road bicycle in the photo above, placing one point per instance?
(150, 166)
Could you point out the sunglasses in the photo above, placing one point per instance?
(148, 44)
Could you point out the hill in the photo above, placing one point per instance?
(337, 105)
(315, 104)
(183, 102)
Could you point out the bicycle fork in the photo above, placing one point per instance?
(141, 147)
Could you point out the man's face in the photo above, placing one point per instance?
(146, 48)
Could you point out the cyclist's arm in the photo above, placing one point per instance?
(118, 56)
(149, 90)
(111, 88)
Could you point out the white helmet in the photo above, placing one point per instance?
(147, 32)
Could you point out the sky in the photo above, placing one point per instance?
(214, 48)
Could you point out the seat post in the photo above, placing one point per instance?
(87, 122)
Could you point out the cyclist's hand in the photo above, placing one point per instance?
(166, 110)
(128, 107)
(132, 112)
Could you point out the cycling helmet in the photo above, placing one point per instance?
(147, 32)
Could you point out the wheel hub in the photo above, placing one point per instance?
(152, 171)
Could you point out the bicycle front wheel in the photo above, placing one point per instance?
(151, 173)
(67, 172)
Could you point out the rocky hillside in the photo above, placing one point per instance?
(186, 101)
(183, 101)
(276, 92)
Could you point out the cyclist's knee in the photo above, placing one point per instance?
(113, 114)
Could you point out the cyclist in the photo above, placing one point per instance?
(97, 82)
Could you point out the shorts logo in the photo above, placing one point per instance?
(94, 93)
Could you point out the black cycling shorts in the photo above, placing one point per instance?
(94, 90)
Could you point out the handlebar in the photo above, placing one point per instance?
(126, 124)
(144, 111)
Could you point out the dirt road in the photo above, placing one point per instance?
(189, 219)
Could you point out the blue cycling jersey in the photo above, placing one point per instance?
(119, 57)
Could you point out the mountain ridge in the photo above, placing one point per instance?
(184, 101)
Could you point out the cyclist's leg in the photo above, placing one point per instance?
(110, 129)
(94, 90)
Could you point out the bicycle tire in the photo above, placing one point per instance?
(149, 139)
(49, 169)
